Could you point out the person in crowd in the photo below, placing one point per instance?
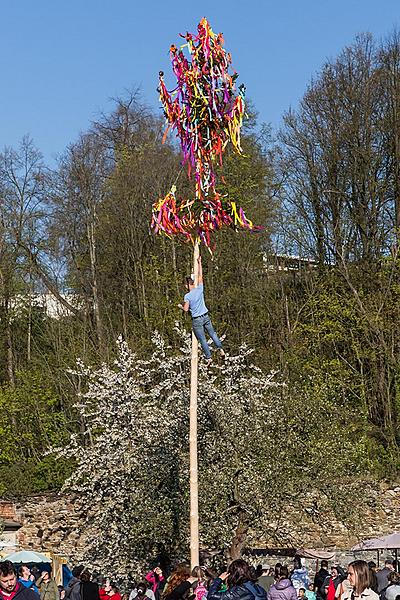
(344, 588)
(310, 593)
(299, 576)
(61, 592)
(266, 579)
(200, 588)
(240, 584)
(331, 583)
(47, 586)
(141, 592)
(301, 593)
(35, 571)
(393, 589)
(259, 570)
(319, 580)
(373, 581)
(89, 589)
(203, 580)
(383, 575)
(109, 590)
(179, 583)
(105, 588)
(10, 587)
(73, 589)
(282, 588)
(27, 578)
(330, 590)
(156, 580)
(276, 570)
(358, 576)
(114, 593)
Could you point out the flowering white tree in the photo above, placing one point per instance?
(132, 464)
(128, 460)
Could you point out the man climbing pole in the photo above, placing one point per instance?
(201, 322)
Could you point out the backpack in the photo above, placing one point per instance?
(200, 591)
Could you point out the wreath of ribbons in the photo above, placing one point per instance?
(206, 112)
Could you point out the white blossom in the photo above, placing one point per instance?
(132, 466)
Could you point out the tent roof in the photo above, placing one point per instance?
(27, 556)
(302, 552)
(389, 542)
(315, 553)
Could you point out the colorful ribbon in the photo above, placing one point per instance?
(206, 113)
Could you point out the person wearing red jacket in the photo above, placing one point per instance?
(108, 591)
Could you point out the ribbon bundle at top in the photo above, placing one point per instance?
(206, 113)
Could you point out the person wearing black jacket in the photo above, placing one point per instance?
(179, 584)
(373, 583)
(73, 589)
(240, 584)
(89, 589)
(10, 588)
(319, 579)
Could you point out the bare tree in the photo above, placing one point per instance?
(22, 217)
(334, 160)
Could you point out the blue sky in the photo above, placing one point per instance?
(61, 61)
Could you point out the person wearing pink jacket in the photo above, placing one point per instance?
(156, 580)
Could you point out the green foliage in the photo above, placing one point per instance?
(30, 422)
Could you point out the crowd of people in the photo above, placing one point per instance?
(241, 581)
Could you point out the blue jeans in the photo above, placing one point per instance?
(200, 326)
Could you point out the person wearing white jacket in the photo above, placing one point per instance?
(141, 592)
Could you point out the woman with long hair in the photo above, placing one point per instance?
(203, 583)
(156, 580)
(179, 583)
(240, 584)
(359, 579)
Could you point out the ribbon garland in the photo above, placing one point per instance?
(206, 113)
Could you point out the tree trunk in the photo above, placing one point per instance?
(9, 352)
(95, 291)
(239, 539)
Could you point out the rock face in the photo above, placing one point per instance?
(52, 522)
(57, 522)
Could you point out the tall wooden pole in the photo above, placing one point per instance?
(194, 486)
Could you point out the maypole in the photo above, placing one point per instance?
(207, 112)
(193, 470)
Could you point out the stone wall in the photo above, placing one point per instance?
(48, 523)
(366, 510)
(56, 522)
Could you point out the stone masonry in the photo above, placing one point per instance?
(56, 522)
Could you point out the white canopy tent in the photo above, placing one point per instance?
(27, 556)
(385, 542)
